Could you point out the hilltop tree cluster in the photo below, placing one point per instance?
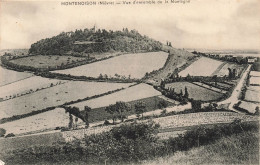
(91, 40)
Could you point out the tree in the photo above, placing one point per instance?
(140, 108)
(186, 94)
(87, 109)
(9, 135)
(100, 76)
(2, 132)
(162, 84)
(75, 111)
(117, 110)
(121, 108)
(196, 104)
(256, 111)
(112, 110)
(181, 94)
(162, 104)
(76, 121)
(70, 121)
(229, 73)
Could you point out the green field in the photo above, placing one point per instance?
(196, 92)
(44, 61)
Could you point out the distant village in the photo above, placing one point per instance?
(230, 58)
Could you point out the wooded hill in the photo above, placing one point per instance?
(91, 40)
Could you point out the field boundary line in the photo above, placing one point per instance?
(17, 80)
(205, 87)
(219, 68)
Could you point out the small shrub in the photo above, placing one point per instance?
(107, 122)
(2, 132)
(9, 135)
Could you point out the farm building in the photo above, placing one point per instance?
(251, 60)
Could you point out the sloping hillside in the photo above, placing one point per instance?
(177, 60)
(91, 40)
(240, 148)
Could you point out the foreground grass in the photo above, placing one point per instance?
(242, 148)
(135, 143)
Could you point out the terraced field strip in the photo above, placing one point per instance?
(7, 144)
(185, 120)
(9, 76)
(196, 92)
(216, 72)
(46, 61)
(227, 86)
(254, 88)
(249, 106)
(175, 132)
(252, 96)
(128, 65)
(218, 85)
(254, 81)
(40, 122)
(54, 96)
(255, 74)
(209, 87)
(202, 67)
(176, 123)
(136, 92)
(223, 69)
(27, 86)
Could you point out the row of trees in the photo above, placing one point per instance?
(189, 78)
(97, 41)
(119, 110)
(183, 98)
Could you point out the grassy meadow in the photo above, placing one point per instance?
(9, 76)
(196, 92)
(56, 95)
(202, 67)
(44, 61)
(135, 65)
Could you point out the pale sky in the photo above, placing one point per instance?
(215, 24)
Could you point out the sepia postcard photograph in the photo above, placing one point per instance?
(129, 82)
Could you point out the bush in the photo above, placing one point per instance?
(206, 135)
(126, 144)
(9, 135)
(134, 131)
(2, 132)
